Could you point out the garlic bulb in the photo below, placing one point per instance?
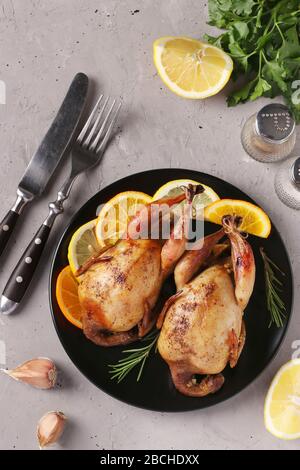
(40, 373)
(50, 428)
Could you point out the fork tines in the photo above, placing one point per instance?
(98, 128)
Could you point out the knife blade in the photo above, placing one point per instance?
(48, 155)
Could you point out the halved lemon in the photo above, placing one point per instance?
(254, 219)
(191, 68)
(115, 214)
(282, 405)
(83, 245)
(67, 296)
(173, 188)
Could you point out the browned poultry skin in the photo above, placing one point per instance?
(117, 293)
(119, 289)
(195, 332)
(202, 324)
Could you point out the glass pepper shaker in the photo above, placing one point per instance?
(287, 183)
(269, 135)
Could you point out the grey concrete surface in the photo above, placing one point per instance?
(43, 43)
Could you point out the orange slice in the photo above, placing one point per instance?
(254, 219)
(67, 296)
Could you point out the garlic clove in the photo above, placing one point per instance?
(40, 373)
(50, 428)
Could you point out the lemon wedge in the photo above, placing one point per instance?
(191, 68)
(282, 405)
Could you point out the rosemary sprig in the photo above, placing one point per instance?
(275, 304)
(135, 357)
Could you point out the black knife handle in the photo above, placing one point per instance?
(23, 273)
(10, 220)
(6, 228)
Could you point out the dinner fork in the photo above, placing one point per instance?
(86, 153)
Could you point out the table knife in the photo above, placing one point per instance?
(48, 154)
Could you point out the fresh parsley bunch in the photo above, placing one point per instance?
(262, 37)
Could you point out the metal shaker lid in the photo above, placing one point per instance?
(296, 172)
(275, 123)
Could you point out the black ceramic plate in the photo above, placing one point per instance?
(155, 390)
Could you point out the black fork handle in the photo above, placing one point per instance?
(23, 273)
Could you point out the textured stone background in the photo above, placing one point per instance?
(43, 44)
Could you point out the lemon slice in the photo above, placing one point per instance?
(282, 405)
(115, 214)
(83, 245)
(254, 219)
(191, 68)
(173, 188)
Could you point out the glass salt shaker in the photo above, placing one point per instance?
(269, 135)
(287, 183)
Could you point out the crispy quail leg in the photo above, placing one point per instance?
(193, 260)
(148, 320)
(185, 383)
(175, 246)
(166, 307)
(242, 261)
(105, 338)
(237, 345)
